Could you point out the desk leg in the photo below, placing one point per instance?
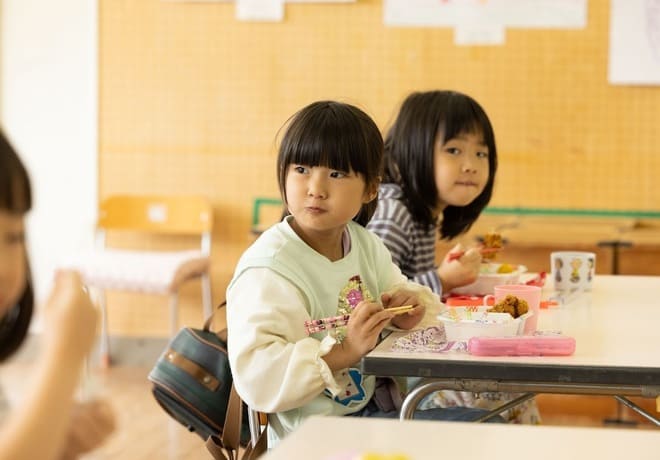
(638, 409)
(414, 398)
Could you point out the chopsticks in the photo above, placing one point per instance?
(400, 310)
(459, 254)
(317, 325)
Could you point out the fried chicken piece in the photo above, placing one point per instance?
(512, 305)
(522, 307)
(492, 240)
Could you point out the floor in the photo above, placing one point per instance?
(145, 431)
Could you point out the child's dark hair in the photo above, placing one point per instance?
(15, 198)
(334, 135)
(409, 158)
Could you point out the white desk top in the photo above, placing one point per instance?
(344, 438)
(616, 327)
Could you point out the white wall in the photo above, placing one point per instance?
(48, 108)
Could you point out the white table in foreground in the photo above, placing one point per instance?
(343, 438)
(616, 328)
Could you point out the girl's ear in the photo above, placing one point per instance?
(371, 192)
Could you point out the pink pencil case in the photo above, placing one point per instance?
(522, 345)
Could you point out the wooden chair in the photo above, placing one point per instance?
(153, 272)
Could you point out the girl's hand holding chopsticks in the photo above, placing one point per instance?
(483, 251)
(459, 268)
(367, 321)
(413, 314)
(323, 324)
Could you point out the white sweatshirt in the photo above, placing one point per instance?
(279, 283)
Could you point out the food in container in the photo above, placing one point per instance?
(461, 323)
(490, 275)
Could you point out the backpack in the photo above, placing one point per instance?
(192, 382)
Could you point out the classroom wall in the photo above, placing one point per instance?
(190, 101)
(48, 89)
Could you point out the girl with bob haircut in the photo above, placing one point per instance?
(310, 297)
(440, 166)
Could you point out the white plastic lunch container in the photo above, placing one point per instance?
(462, 323)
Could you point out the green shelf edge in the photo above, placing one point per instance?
(497, 210)
(572, 212)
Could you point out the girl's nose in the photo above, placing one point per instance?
(469, 166)
(317, 187)
(316, 192)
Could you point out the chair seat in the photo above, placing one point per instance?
(141, 271)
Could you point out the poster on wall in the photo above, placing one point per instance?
(568, 14)
(634, 42)
(285, 1)
(260, 10)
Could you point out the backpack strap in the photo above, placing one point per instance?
(253, 452)
(231, 433)
(217, 451)
(209, 320)
(226, 448)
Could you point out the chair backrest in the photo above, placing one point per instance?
(159, 214)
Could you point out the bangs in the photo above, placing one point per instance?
(15, 194)
(330, 145)
(330, 136)
(464, 117)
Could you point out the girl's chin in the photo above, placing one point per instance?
(461, 203)
(458, 200)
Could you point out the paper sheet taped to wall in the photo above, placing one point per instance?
(569, 14)
(634, 42)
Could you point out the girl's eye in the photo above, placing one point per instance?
(338, 174)
(482, 154)
(452, 150)
(300, 169)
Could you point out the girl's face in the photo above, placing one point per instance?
(461, 169)
(13, 266)
(323, 200)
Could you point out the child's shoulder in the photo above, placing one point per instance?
(390, 191)
(391, 209)
(269, 243)
(365, 237)
(274, 249)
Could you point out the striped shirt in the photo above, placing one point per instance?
(411, 244)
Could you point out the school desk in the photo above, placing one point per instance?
(346, 438)
(617, 331)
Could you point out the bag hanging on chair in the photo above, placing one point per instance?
(192, 382)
